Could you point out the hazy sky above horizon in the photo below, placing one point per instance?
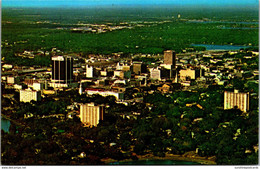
(54, 3)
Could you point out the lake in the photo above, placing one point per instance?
(5, 124)
(221, 47)
(155, 162)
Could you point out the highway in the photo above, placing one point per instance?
(24, 71)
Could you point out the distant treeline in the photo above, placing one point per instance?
(117, 14)
(20, 32)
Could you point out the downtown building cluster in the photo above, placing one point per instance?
(115, 76)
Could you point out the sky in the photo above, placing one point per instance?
(57, 3)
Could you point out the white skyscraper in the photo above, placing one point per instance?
(91, 114)
(28, 95)
(240, 100)
(89, 72)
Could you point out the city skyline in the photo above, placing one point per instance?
(113, 82)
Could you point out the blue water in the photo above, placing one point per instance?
(155, 162)
(5, 124)
(221, 47)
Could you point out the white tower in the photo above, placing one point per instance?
(80, 89)
(89, 72)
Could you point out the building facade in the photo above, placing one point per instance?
(89, 71)
(170, 63)
(118, 95)
(236, 99)
(189, 73)
(169, 57)
(62, 69)
(155, 74)
(38, 86)
(119, 74)
(12, 80)
(28, 95)
(122, 66)
(138, 68)
(91, 114)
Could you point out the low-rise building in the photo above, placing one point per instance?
(189, 73)
(165, 88)
(17, 86)
(123, 67)
(118, 95)
(58, 85)
(7, 66)
(155, 74)
(119, 74)
(12, 79)
(38, 86)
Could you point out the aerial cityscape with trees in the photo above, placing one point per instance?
(110, 85)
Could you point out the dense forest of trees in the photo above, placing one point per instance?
(152, 39)
(18, 36)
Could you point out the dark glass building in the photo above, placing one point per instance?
(62, 69)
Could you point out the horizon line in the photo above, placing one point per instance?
(130, 5)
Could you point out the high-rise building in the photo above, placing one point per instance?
(236, 99)
(91, 114)
(62, 69)
(170, 63)
(28, 95)
(139, 67)
(169, 57)
(90, 71)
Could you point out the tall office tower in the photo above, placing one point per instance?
(62, 69)
(169, 57)
(232, 99)
(90, 71)
(90, 114)
(139, 67)
(170, 62)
